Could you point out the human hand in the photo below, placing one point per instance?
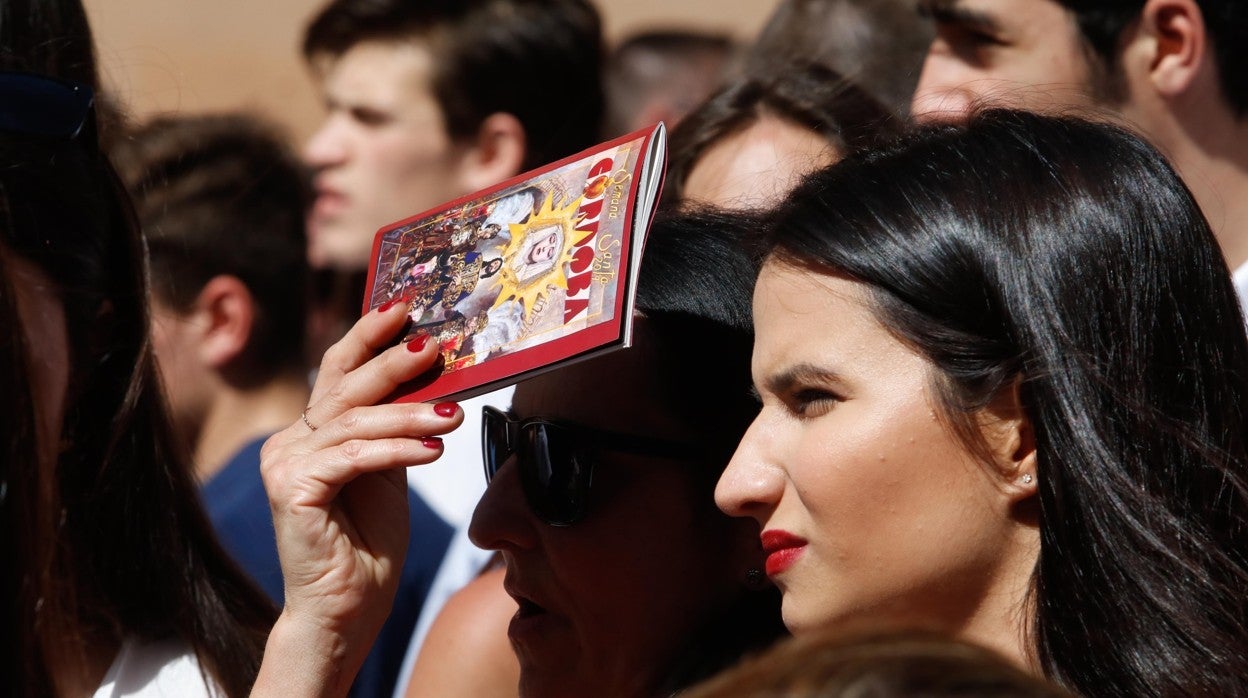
(339, 498)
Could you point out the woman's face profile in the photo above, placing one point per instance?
(870, 508)
(612, 598)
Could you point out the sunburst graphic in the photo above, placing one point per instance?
(538, 254)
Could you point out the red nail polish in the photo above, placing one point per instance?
(418, 344)
(446, 409)
(388, 305)
(431, 442)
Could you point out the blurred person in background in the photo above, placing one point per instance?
(1171, 69)
(661, 76)
(877, 44)
(751, 142)
(833, 663)
(221, 201)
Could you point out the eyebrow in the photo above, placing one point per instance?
(800, 374)
(952, 12)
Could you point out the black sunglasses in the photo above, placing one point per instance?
(556, 459)
(36, 105)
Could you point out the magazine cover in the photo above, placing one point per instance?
(536, 271)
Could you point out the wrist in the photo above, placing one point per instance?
(305, 658)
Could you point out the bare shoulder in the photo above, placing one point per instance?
(466, 652)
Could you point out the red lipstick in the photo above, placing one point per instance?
(782, 548)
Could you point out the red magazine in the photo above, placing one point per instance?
(529, 274)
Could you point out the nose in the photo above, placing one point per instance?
(328, 146)
(752, 484)
(943, 91)
(502, 519)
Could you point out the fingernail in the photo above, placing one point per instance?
(446, 409)
(418, 344)
(388, 305)
(431, 442)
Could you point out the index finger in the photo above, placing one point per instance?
(368, 336)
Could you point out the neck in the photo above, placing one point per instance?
(1216, 170)
(1005, 618)
(1208, 144)
(237, 416)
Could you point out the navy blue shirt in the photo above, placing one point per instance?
(239, 510)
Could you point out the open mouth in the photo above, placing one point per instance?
(528, 609)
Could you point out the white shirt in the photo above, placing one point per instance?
(1240, 277)
(156, 670)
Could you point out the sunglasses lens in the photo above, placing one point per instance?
(495, 444)
(43, 107)
(554, 474)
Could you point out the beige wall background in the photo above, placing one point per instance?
(191, 55)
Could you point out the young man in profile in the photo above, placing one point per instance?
(221, 201)
(428, 101)
(1173, 69)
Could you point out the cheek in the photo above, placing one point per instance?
(894, 482)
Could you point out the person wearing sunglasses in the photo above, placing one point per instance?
(626, 580)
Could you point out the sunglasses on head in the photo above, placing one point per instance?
(556, 459)
(37, 105)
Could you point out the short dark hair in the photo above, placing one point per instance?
(1102, 22)
(1079, 270)
(224, 195)
(538, 60)
(808, 94)
(683, 66)
(878, 44)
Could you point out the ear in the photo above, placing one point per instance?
(1008, 432)
(496, 154)
(226, 310)
(1174, 42)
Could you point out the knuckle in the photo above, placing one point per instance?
(351, 419)
(354, 449)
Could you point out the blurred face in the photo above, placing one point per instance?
(43, 319)
(755, 167)
(610, 600)
(1016, 53)
(383, 153)
(870, 508)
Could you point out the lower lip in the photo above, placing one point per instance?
(328, 204)
(783, 559)
(527, 628)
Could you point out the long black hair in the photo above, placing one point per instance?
(1067, 258)
(112, 542)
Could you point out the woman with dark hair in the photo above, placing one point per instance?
(751, 142)
(1003, 377)
(115, 576)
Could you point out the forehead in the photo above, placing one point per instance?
(757, 165)
(804, 318)
(379, 72)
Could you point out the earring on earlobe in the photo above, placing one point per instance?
(1028, 479)
(755, 580)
